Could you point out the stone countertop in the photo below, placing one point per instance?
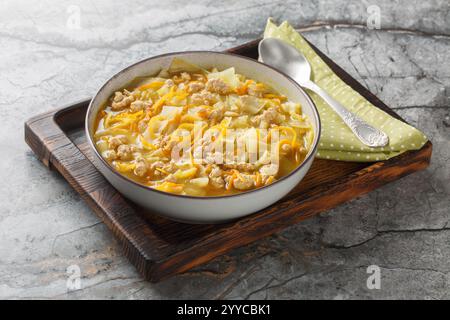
(57, 52)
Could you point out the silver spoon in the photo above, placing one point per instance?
(288, 59)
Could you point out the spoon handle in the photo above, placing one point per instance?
(366, 133)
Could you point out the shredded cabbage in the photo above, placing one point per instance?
(165, 113)
(228, 76)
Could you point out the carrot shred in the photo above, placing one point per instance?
(152, 85)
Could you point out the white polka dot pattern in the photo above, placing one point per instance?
(337, 141)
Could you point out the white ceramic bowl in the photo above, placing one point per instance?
(205, 209)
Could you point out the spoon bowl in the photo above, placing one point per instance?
(285, 57)
(288, 59)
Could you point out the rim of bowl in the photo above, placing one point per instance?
(308, 98)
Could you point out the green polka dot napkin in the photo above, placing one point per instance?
(337, 141)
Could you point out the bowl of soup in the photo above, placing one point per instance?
(202, 137)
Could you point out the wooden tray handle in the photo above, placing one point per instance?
(56, 151)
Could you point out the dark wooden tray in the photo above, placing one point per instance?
(159, 247)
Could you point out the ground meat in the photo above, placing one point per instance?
(170, 167)
(157, 173)
(118, 96)
(121, 101)
(124, 152)
(110, 155)
(116, 141)
(185, 76)
(215, 172)
(195, 86)
(271, 115)
(217, 182)
(141, 167)
(161, 141)
(139, 105)
(268, 117)
(203, 97)
(215, 178)
(248, 167)
(214, 156)
(157, 165)
(244, 182)
(169, 83)
(217, 86)
(216, 115)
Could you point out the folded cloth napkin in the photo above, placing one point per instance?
(337, 141)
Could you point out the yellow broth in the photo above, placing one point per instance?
(138, 128)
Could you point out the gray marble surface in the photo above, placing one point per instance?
(48, 60)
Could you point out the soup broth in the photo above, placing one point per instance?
(139, 128)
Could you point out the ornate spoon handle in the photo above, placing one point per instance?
(366, 133)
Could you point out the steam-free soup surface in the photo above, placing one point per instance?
(139, 126)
